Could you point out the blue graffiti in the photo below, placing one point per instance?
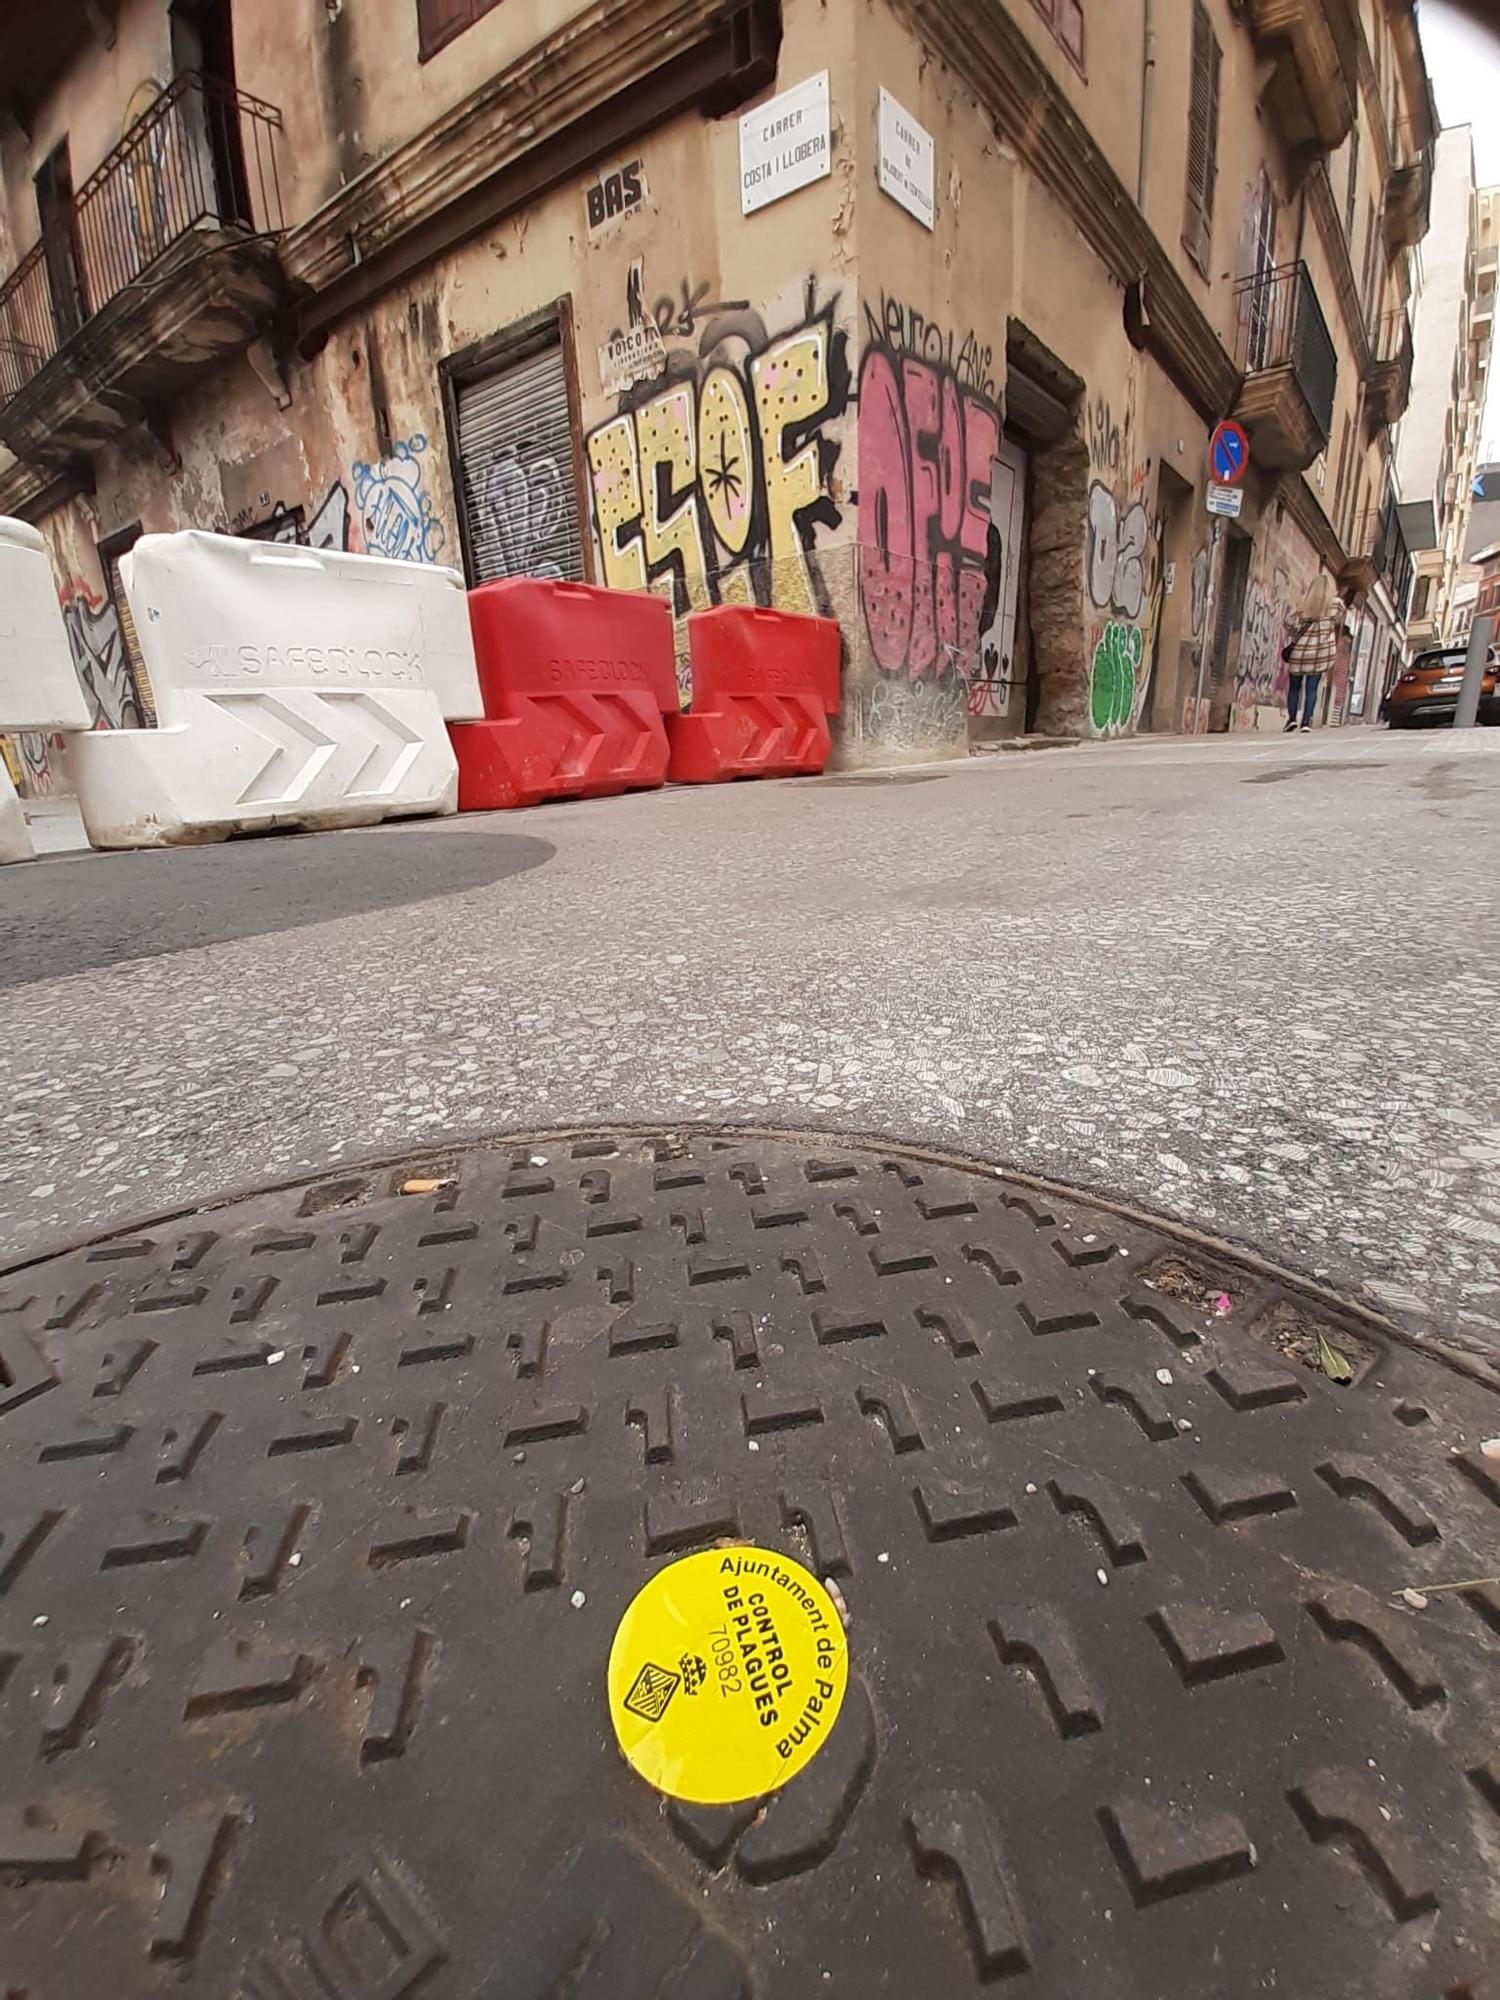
(394, 510)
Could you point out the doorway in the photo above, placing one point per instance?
(203, 43)
(997, 693)
(511, 407)
(1229, 623)
(54, 209)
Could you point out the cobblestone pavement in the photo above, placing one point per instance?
(1251, 984)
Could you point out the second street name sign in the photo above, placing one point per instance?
(906, 160)
(785, 145)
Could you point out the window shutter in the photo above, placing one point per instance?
(1203, 140)
(515, 446)
(438, 21)
(1351, 192)
(1070, 28)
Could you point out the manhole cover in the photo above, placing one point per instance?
(318, 1513)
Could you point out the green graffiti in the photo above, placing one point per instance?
(1117, 657)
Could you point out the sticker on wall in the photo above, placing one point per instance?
(635, 352)
(785, 144)
(906, 160)
(726, 1675)
(615, 195)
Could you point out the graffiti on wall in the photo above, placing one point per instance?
(711, 482)
(1259, 670)
(99, 658)
(1122, 572)
(328, 528)
(395, 510)
(522, 499)
(929, 430)
(1199, 610)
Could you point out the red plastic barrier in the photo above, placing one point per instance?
(575, 683)
(764, 686)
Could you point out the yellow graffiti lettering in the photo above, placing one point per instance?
(669, 466)
(615, 479)
(726, 458)
(791, 386)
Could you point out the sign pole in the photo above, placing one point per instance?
(1467, 713)
(1208, 620)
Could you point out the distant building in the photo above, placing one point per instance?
(1439, 440)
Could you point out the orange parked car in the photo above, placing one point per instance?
(1428, 690)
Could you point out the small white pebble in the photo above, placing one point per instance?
(539, 1159)
(405, 1603)
(882, 1557)
(40, 1620)
(279, 1355)
(1030, 1486)
(753, 1445)
(577, 1600)
(1102, 1574)
(1384, 1811)
(353, 1367)
(294, 1561)
(1123, 1251)
(1163, 1374)
(1415, 1598)
(1088, 1239)
(1184, 1424)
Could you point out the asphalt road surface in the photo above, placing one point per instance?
(1247, 984)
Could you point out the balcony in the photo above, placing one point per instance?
(1388, 376)
(1288, 368)
(1314, 47)
(1408, 201)
(163, 263)
(1357, 570)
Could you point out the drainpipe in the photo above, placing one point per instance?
(1148, 79)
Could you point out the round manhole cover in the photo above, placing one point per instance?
(318, 1513)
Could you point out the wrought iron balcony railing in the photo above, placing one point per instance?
(200, 157)
(1281, 326)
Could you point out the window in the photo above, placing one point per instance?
(1421, 598)
(1341, 481)
(1065, 19)
(438, 21)
(1203, 141)
(1352, 188)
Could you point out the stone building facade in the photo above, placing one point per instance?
(1438, 451)
(918, 313)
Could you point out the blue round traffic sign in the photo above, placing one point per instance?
(1228, 453)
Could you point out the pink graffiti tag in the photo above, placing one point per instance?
(925, 447)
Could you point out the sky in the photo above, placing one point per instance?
(1463, 60)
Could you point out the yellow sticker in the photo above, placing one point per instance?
(726, 1675)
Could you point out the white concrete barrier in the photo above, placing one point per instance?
(293, 687)
(38, 687)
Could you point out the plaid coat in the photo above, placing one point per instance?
(1315, 645)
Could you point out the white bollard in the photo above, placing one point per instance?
(294, 687)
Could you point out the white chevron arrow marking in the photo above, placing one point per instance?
(393, 751)
(298, 749)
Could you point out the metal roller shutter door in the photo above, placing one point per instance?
(516, 451)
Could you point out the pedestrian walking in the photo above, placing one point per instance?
(1312, 648)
